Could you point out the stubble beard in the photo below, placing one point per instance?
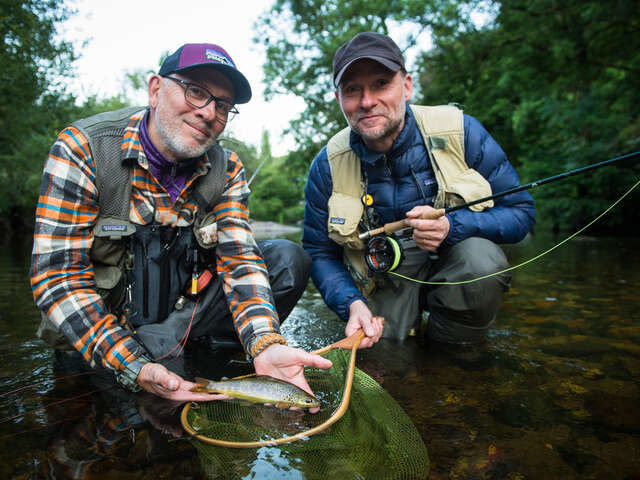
(171, 137)
(391, 129)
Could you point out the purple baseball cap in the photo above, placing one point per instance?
(205, 54)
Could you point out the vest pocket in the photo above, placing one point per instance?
(345, 212)
(468, 186)
(110, 285)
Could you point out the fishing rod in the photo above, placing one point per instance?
(383, 253)
(257, 170)
(434, 214)
(233, 140)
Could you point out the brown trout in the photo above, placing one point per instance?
(259, 389)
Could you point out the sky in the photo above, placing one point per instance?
(114, 37)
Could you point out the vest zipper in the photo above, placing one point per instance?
(387, 166)
(166, 274)
(145, 278)
(415, 178)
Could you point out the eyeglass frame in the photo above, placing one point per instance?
(212, 98)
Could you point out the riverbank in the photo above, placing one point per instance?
(271, 229)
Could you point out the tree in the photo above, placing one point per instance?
(33, 63)
(554, 82)
(301, 37)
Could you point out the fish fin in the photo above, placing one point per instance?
(281, 405)
(201, 381)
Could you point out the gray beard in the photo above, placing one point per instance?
(172, 143)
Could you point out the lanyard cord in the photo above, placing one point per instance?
(461, 282)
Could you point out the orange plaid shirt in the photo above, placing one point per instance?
(62, 276)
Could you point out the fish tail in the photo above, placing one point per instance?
(201, 386)
(201, 381)
(204, 386)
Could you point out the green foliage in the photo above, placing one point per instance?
(32, 59)
(301, 37)
(275, 197)
(35, 106)
(276, 190)
(557, 85)
(554, 83)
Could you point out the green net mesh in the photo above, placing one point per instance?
(374, 439)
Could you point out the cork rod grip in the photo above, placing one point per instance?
(391, 227)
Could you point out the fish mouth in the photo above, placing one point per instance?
(311, 402)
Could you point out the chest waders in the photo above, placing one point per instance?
(141, 271)
(442, 129)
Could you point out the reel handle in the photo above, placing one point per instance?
(400, 224)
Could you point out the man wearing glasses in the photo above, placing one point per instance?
(142, 239)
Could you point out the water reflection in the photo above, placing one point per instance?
(553, 393)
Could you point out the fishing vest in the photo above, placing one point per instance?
(141, 268)
(442, 129)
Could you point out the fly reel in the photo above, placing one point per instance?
(383, 254)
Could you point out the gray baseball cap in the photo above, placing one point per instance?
(375, 46)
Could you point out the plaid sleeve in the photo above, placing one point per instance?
(240, 264)
(62, 276)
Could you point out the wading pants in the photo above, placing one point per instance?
(463, 313)
(289, 267)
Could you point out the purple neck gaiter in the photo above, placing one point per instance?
(171, 175)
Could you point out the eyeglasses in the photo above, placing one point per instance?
(200, 97)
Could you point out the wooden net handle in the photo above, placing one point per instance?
(344, 404)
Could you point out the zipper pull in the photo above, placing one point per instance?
(194, 282)
(194, 275)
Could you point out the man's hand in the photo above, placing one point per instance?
(287, 363)
(428, 234)
(156, 379)
(361, 317)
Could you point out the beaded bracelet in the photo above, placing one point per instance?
(264, 341)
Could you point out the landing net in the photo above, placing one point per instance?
(374, 438)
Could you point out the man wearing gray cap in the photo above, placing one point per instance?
(142, 237)
(397, 162)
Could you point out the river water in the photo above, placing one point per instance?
(552, 393)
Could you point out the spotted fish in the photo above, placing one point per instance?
(259, 389)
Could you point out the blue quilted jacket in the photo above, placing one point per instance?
(399, 180)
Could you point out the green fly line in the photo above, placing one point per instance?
(461, 282)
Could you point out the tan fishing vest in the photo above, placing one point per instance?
(442, 128)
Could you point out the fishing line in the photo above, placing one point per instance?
(64, 377)
(461, 282)
(58, 402)
(183, 341)
(43, 427)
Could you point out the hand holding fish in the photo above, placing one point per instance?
(156, 379)
(361, 317)
(287, 363)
